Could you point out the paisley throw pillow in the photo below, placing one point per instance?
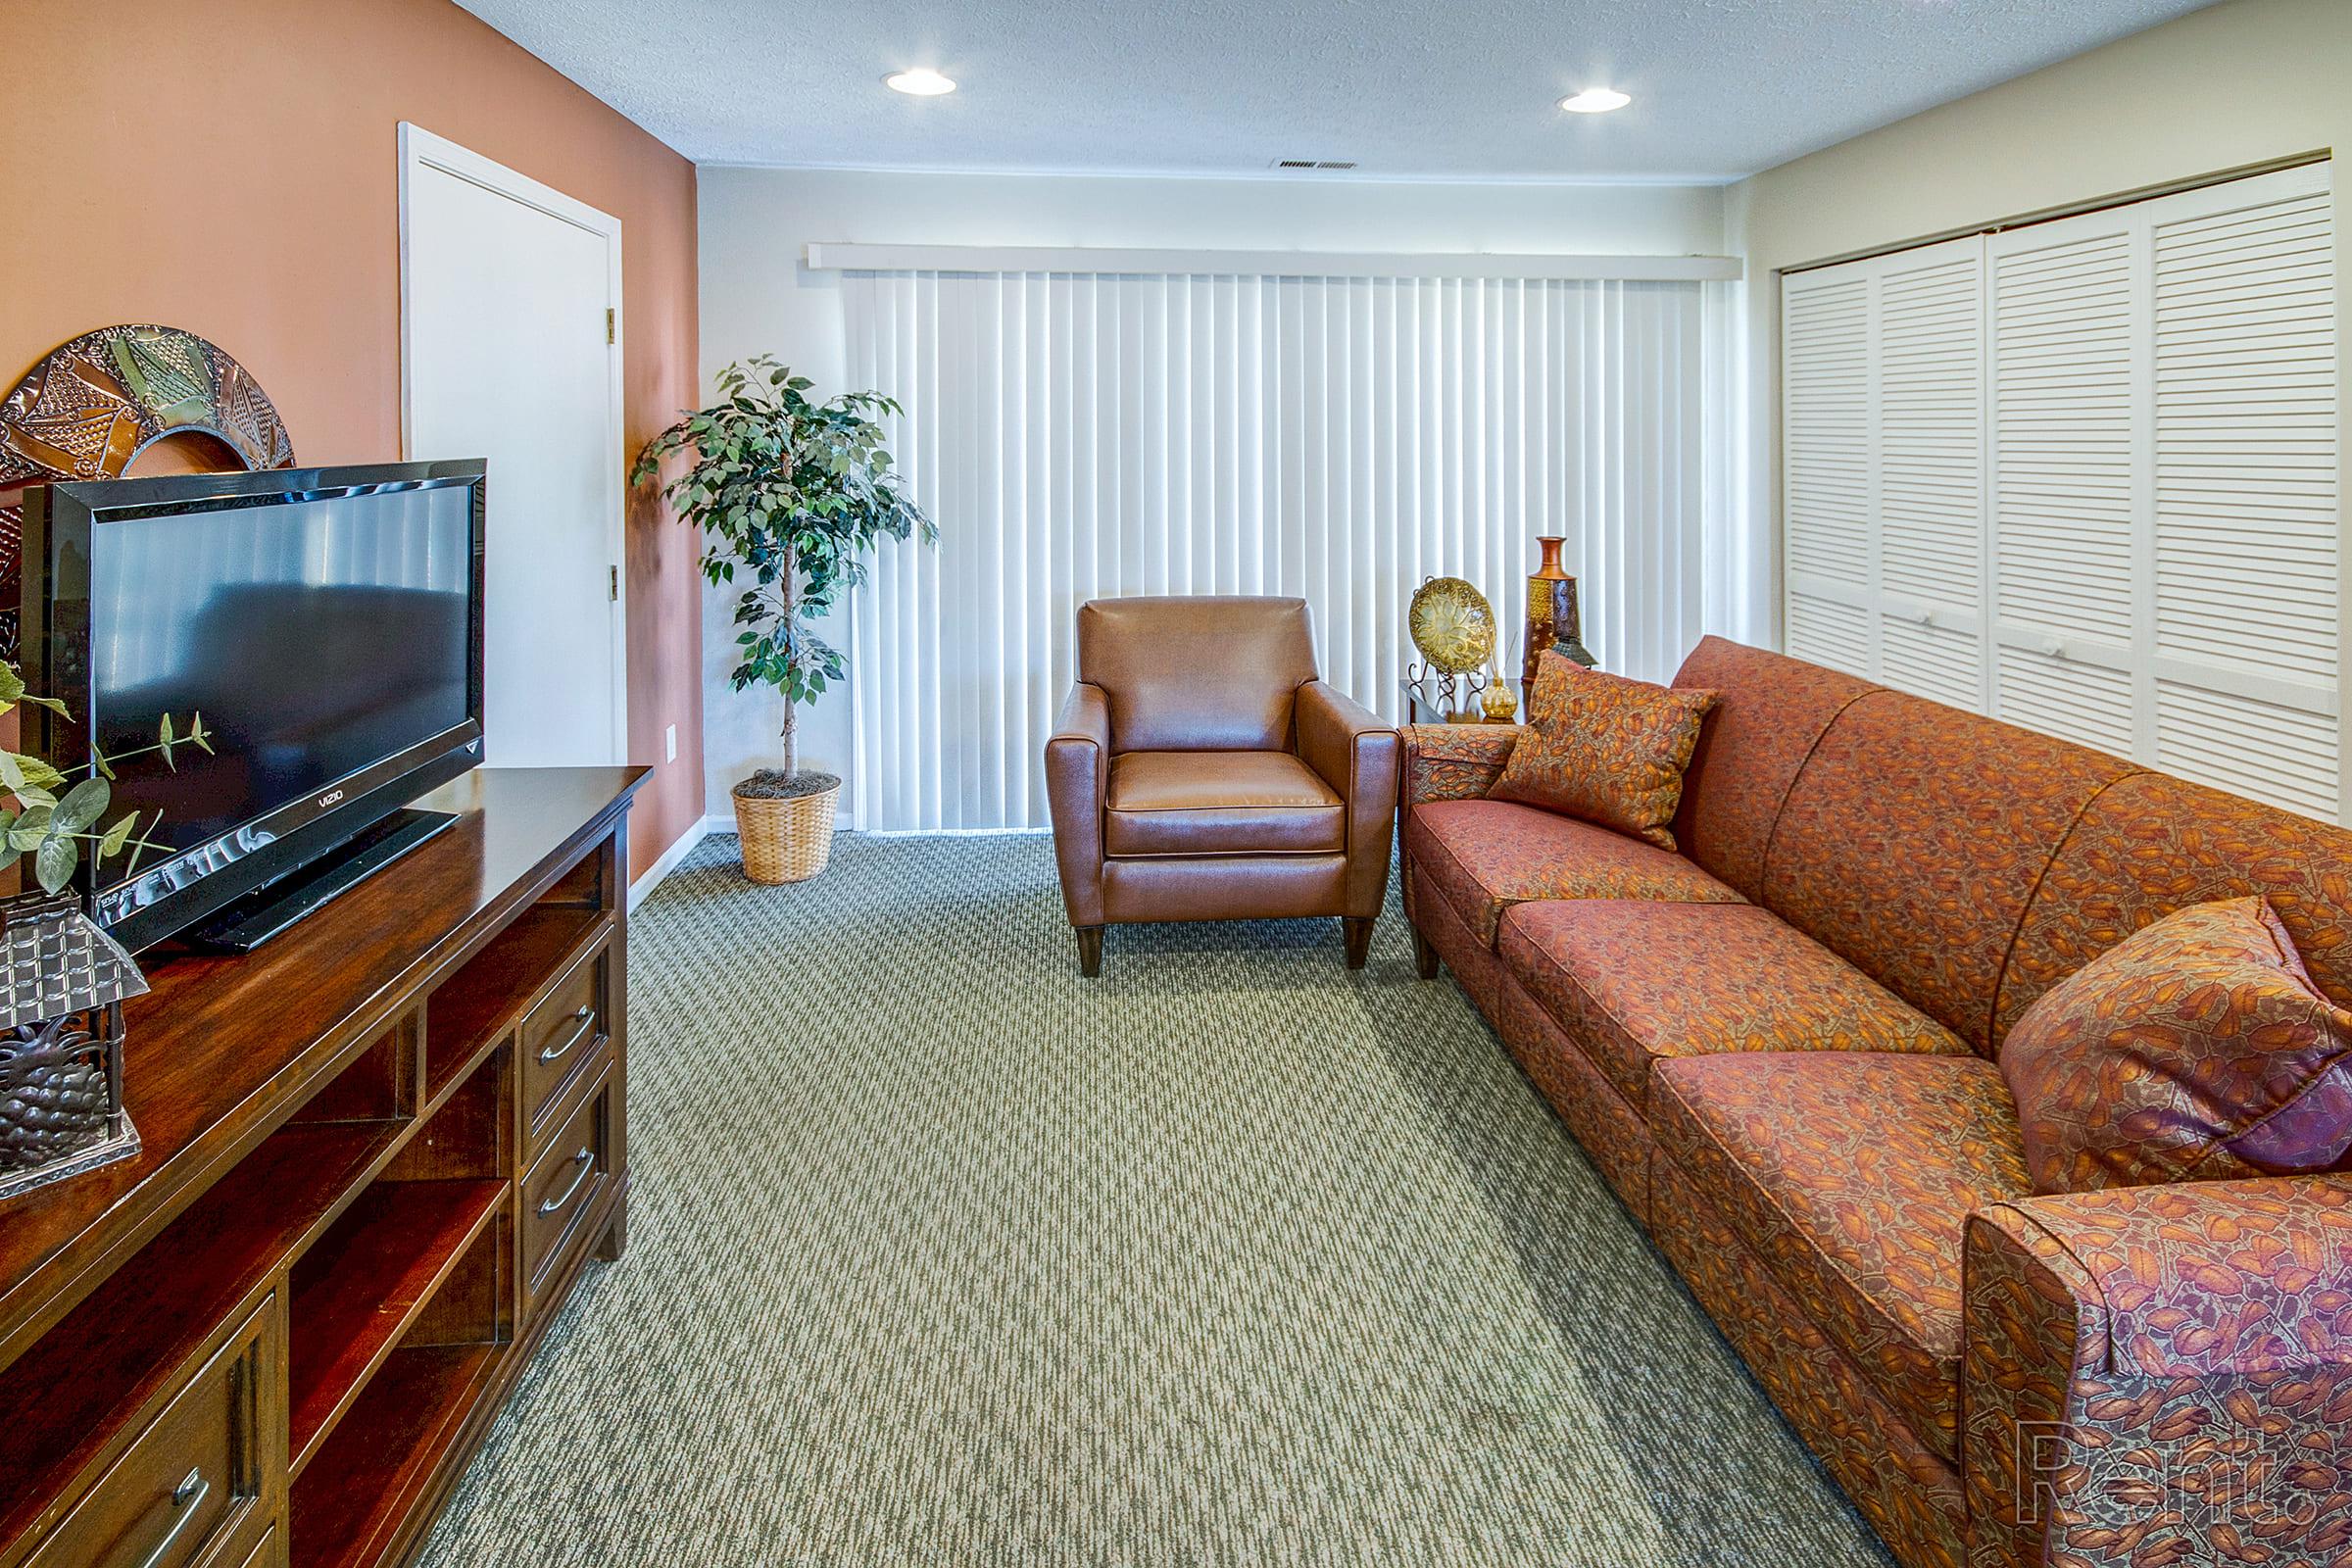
(2194, 1050)
(1604, 749)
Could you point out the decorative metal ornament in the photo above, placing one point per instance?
(1453, 625)
(62, 985)
(93, 404)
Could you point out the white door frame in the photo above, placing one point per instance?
(421, 149)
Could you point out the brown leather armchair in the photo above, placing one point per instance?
(1200, 771)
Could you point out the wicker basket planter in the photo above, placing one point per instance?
(786, 837)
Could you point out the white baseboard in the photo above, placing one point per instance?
(668, 863)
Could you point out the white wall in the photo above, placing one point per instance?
(758, 296)
(2243, 83)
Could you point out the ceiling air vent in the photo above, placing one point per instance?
(1313, 162)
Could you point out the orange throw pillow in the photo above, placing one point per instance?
(2195, 1049)
(1605, 749)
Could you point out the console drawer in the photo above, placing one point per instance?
(561, 1035)
(190, 1482)
(565, 1186)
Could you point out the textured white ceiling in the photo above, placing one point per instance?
(1466, 91)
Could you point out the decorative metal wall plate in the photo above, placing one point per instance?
(93, 404)
(1453, 625)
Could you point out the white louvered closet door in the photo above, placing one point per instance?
(2144, 553)
(1930, 456)
(2068, 378)
(1882, 399)
(1827, 459)
(2243, 606)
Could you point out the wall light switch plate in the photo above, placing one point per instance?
(670, 742)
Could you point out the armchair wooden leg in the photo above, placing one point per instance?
(1090, 950)
(1358, 933)
(1425, 956)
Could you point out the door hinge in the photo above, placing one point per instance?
(615, 585)
(611, 334)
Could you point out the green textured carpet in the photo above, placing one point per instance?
(941, 1256)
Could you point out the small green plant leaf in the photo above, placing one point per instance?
(54, 862)
(27, 831)
(83, 806)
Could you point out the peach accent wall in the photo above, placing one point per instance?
(232, 168)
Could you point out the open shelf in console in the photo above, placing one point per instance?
(471, 1009)
(423, 1250)
(384, 1451)
(360, 1288)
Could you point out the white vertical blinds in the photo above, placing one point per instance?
(2095, 466)
(1080, 435)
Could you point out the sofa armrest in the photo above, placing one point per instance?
(1453, 762)
(1355, 752)
(2160, 1374)
(1077, 779)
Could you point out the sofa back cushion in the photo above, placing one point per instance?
(1912, 842)
(2153, 843)
(1197, 673)
(2196, 1049)
(1770, 711)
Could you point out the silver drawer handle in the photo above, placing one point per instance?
(186, 1499)
(587, 1022)
(586, 1160)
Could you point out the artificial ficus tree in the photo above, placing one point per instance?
(793, 493)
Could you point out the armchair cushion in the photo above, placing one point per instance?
(2196, 1049)
(1220, 802)
(1482, 856)
(1850, 1175)
(1605, 749)
(1198, 673)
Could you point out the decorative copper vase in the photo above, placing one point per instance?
(1554, 619)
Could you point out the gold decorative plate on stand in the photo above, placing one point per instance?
(1453, 625)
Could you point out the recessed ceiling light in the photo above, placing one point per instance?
(920, 82)
(1595, 101)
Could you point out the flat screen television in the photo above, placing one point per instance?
(327, 625)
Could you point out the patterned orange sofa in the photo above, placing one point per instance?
(1777, 1046)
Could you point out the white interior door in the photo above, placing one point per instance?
(510, 299)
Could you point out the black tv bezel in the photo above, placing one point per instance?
(170, 895)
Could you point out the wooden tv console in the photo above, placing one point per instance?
(377, 1153)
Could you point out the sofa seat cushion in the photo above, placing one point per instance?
(1852, 1175)
(1636, 982)
(1484, 856)
(1220, 802)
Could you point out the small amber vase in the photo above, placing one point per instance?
(1553, 618)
